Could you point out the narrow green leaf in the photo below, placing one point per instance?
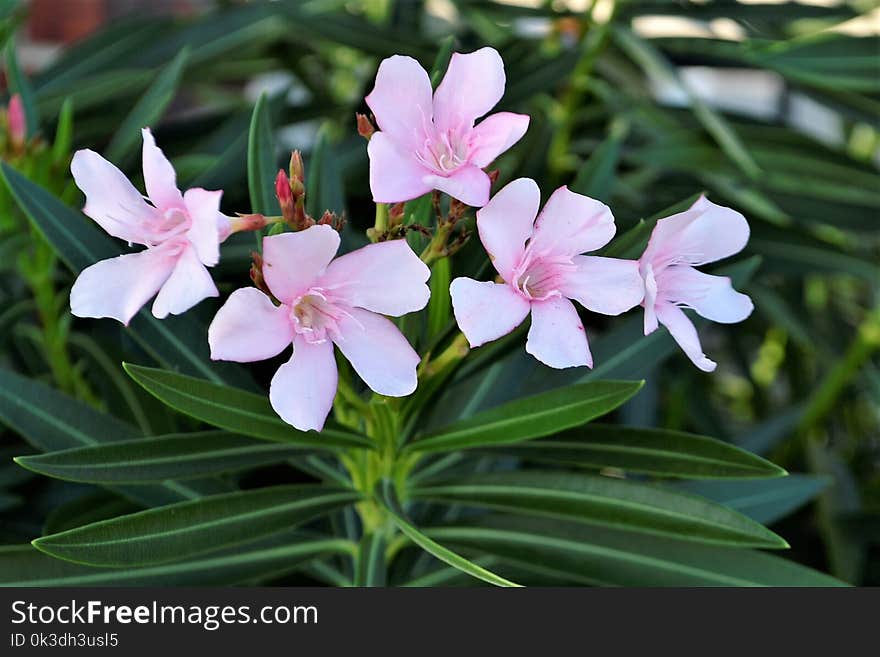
(389, 499)
(762, 500)
(19, 84)
(605, 502)
(441, 63)
(370, 565)
(92, 507)
(61, 147)
(155, 459)
(597, 175)
(597, 556)
(261, 160)
(177, 342)
(148, 109)
(25, 566)
(530, 417)
(440, 302)
(50, 421)
(187, 529)
(657, 452)
(235, 410)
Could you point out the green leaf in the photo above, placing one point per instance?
(605, 502)
(596, 556)
(235, 410)
(25, 566)
(657, 452)
(63, 134)
(178, 342)
(440, 302)
(370, 565)
(389, 499)
(261, 161)
(50, 421)
(148, 109)
(764, 501)
(155, 459)
(187, 529)
(597, 175)
(19, 84)
(441, 63)
(530, 417)
(89, 508)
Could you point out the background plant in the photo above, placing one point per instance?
(798, 382)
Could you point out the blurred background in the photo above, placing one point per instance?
(769, 106)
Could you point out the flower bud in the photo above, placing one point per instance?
(284, 195)
(17, 121)
(297, 175)
(365, 126)
(396, 214)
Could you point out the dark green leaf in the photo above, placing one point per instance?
(261, 161)
(19, 84)
(235, 410)
(184, 530)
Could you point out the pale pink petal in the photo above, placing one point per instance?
(293, 261)
(713, 297)
(505, 223)
(706, 232)
(485, 311)
(473, 85)
(605, 285)
(685, 334)
(401, 100)
(111, 200)
(188, 284)
(556, 336)
(395, 176)
(303, 389)
(495, 134)
(203, 208)
(469, 184)
(572, 223)
(249, 327)
(387, 277)
(650, 299)
(159, 177)
(119, 287)
(379, 353)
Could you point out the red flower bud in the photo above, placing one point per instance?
(365, 126)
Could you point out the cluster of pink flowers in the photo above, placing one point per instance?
(427, 140)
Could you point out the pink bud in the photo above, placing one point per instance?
(284, 194)
(17, 122)
(365, 126)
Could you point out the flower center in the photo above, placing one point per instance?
(538, 277)
(316, 317)
(444, 152)
(168, 224)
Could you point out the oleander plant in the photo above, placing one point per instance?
(406, 293)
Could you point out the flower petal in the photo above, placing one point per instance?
(401, 100)
(203, 208)
(111, 200)
(293, 261)
(505, 223)
(557, 337)
(469, 184)
(394, 176)
(650, 300)
(685, 334)
(249, 327)
(387, 278)
(379, 353)
(495, 134)
(572, 223)
(119, 287)
(485, 311)
(303, 389)
(609, 286)
(703, 233)
(159, 177)
(188, 284)
(713, 297)
(473, 85)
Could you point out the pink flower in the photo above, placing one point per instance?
(182, 233)
(430, 141)
(704, 233)
(540, 263)
(325, 303)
